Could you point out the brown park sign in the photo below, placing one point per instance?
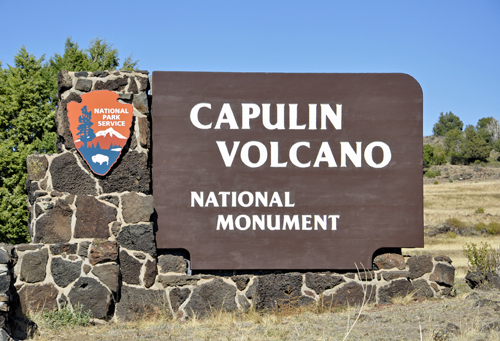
(286, 171)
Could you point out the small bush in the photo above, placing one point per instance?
(432, 173)
(450, 180)
(455, 222)
(451, 235)
(481, 258)
(479, 210)
(436, 182)
(493, 228)
(64, 317)
(480, 226)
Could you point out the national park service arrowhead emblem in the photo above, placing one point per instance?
(100, 126)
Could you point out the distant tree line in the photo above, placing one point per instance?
(27, 108)
(462, 147)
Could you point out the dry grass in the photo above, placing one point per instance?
(461, 200)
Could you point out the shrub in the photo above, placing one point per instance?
(432, 173)
(480, 226)
(66, 318)
(493, 228)
(481, 258)
(451, 235)
(436, 182)
(455, 222)
(479, 210)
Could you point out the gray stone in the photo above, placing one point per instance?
(64, 272)
(172, 263)
(443, 275)
(252, 289)
(67, 176)
(389, 261)
(151, 271)
(241, 281)
(178, 280)
(36, 298)
(60, 248)
(116, 227)
(141, 103)
(443, 258)
(37, 167)
(64, 81)
(144, 131)
(243, 302)
(277, 290)
(83, 251)
(493, 280)
(137, 208)
(34, 191)
(390, 275)
(5, 280)
(143, 84)
(178, 296)
(62, 301)
(84, 85)
(140, 303)
(34, 265)
(131, 174)
(100, 74)
(86, 269)
(366, 275)
(422, 289)
(133, 86)
(102, 251)
(93, 218)
(397, 288)
(81, 74)
(419, 265)
(475, 279)
(351, 294)
(211, 297)
(28, 247)
(112, 199)
(320, 283)
(125, 96)
(5, 257)
(130, 268)
(117, 84)
(140, 255)
(55, 225)
(91, 295)
(138, 237)
(109, 274)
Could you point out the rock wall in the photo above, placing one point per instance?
(93, 241)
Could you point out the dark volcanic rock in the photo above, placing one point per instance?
(33, 266)
(150, 273)
(390, 275)
(422, 289)
(64, 81)
(475, 279)
(351, 294)
(131, 174)
(64, 134)
(68, 176)
(241, 281)
(443, 258)
(117, 84)
(133, 86)
(55, 225)
(172, 263)
(103, 251)
(143, 83)
(277, 290)
(178, 296)
(210, 297)
(177, 280)
(320, 283)
(91, 295)
(137, 208)
(36, 298)
(64, 272)
(109, 274)
(60, 248)
(138, 303)
(93, 218)
(130, 268)
(443, 275)
(84, 85)
(138, 237)
(419, 265)
(141, 103)
(84, 249)
(390, 261)
(398, 288)
(144, 131)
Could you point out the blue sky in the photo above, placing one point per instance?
(452, 48)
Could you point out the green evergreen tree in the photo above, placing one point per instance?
(475, 146)
(447, 122)
(27, 106)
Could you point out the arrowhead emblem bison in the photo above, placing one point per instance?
(100, 126)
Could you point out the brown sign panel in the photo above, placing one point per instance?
(286, 171)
